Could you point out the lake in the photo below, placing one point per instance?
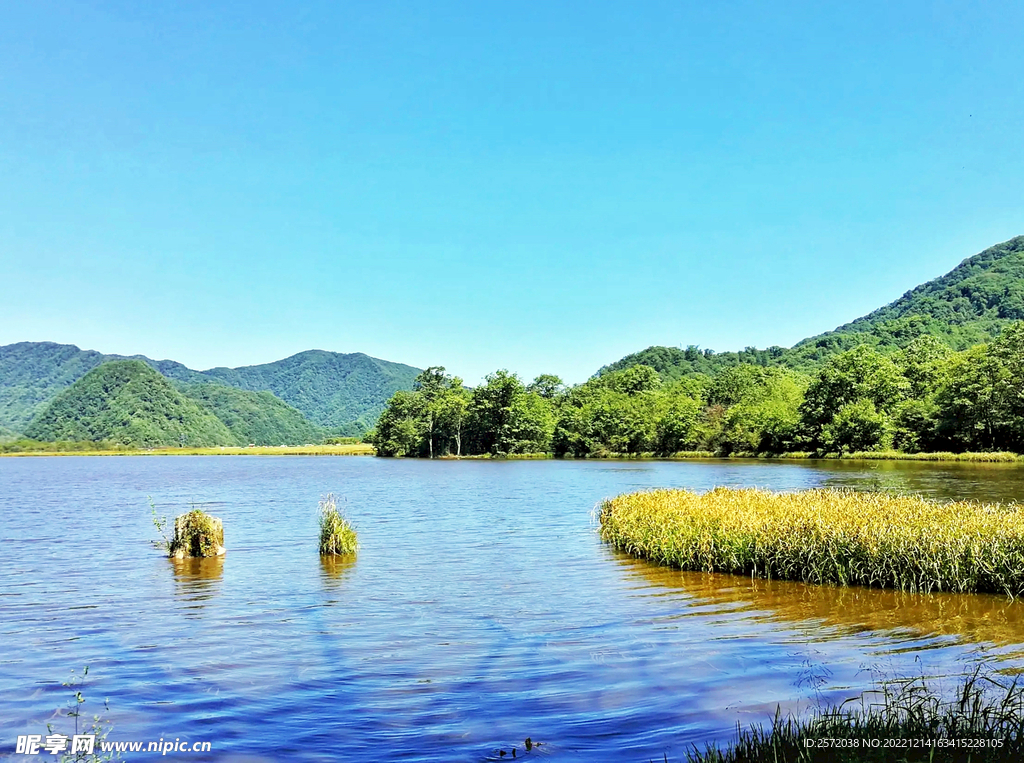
(481, 609)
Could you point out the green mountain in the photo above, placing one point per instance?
(967, 306)
(343, 392)
(129, 403)
(32, 373)
(258, 418)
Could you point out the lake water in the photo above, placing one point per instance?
(481, 609)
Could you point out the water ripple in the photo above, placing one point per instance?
(480, 610)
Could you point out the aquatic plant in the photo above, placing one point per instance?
(197, 534)
(910, 721)
(825, 536)
(160, 523)
(99, 726)
(893, 455)
(337, 536)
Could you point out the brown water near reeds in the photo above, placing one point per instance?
(480, 610)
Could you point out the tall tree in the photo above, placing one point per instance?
(431, 386)
(850, 377)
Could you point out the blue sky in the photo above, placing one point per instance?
(543, 187)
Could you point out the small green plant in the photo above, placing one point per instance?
(906, 720)
(160, 523)
(337, 536)
(99, 727)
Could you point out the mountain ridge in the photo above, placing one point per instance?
(967, 306)
(341, 392)
(130, 403)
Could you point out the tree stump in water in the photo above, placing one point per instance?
(197, 534)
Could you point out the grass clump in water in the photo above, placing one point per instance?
(825, 536)
(197, 534)
(894, 455)
(912, 722)
(337, 536)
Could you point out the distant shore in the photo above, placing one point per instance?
(349, 449)
(364, 449)
(702, 455)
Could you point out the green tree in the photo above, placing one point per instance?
(758, 409)
(1008, 352)
(925, 363)
(453, 409)
(973, 413)
(860, 374)
(431, 386)
(677, 426)
(857, 426)
(572, 430)
(633, 381)
(506, 418)
(547, 386)
(399, 430)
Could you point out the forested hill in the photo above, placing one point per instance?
(344, 392)
(254, 418)
(967, 306)
(33, 373)
(127, 402)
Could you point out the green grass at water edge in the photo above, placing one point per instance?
(892, 455)
(986, 715)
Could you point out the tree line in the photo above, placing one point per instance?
(924, 397)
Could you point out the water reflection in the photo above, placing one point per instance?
(334, 568)
(986, 482)
(828, 611)
(197, 580)
(520, 623)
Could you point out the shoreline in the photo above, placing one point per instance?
(363, 449)
(989, 458)
(355, 449)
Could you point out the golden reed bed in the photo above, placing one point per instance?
(825, 536)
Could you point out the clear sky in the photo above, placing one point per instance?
(540, 186)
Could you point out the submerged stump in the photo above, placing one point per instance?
(197, 534)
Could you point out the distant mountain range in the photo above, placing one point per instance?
(58, 391)
(129, 403)
(335, 393)
(967, 306)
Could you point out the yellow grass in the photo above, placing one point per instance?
(354, 449)
(825, 536)
(893, 455)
